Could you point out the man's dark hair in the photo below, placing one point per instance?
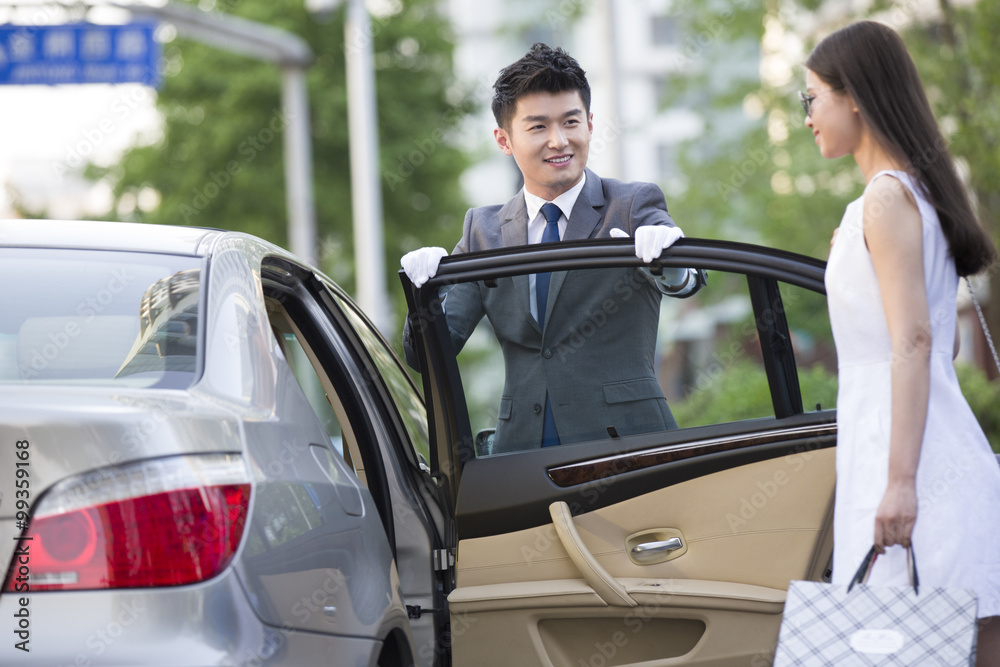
(541, 70)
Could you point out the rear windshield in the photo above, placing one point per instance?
(96, 317)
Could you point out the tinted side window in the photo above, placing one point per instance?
(408, 402)
(312, 386)
(312, 379)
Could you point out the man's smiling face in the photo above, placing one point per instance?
(549, 138)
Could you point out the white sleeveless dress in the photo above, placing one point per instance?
(956, 539)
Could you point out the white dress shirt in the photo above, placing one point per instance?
(537, 222)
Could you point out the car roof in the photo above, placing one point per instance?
(88, 234)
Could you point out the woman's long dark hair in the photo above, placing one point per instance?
(870, 61)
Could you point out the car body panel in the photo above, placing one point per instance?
(97, 427)
(315, 572)
(205, 624)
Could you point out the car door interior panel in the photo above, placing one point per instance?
(747, 531)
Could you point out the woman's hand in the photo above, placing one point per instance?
(896, 516)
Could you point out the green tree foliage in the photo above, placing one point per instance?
(983, 397)
(956, 57)
(220, 160)
(755, 173)
(741, 392)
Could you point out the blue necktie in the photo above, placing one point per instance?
(551, 234)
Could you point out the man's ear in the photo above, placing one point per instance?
(590, 122)
(503, 140)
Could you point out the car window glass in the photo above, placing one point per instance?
(314, 383)
(99, 318)
(628, 361)
(407, 401)
(713, 369)
(312, 386)
(812, 340)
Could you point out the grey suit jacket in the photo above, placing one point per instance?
(595, 356)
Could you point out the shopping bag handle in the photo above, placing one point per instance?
(861, 576)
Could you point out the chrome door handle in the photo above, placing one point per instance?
(652, 549)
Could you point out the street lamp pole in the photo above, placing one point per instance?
(366, 188)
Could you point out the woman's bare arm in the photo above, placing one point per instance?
(894, 235)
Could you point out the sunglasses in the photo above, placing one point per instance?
(807, 100)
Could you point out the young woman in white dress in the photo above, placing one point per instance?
(913, 465)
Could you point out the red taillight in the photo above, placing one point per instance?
(168, 538)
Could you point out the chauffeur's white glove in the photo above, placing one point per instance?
(421, 265)
(651, 240)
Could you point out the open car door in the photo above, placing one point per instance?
(652, 541)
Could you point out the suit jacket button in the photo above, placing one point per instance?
(538, 408)
(547, 353)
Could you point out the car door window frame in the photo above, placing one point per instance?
(286, 282)
(775, 346)
(352, 455)
(445, 396)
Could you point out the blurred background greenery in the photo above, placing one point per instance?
(752, 173)
(214, 102)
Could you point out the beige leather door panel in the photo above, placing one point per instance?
(522, 599)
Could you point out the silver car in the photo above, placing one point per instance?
(208, 456)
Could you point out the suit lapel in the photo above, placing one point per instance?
(514, 222)
(513, 219)
(583, 221)
(555, 284)
(588, 210)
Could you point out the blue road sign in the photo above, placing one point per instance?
(79, 53)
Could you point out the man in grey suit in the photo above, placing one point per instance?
(578, 346)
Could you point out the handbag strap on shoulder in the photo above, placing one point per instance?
(982, 320)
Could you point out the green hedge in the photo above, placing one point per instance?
(984, 399)
(741, 393)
